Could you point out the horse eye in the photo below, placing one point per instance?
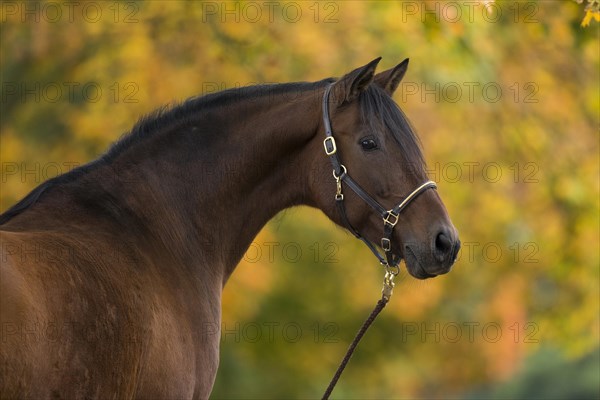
(368, 143)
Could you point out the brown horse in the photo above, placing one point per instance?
(112, 272)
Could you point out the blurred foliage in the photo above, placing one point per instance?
(506, 99)
(547, 375)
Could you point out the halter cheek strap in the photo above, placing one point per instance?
(340, 174)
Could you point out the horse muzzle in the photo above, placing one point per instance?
(434, 259)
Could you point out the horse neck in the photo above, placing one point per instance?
(204, 190)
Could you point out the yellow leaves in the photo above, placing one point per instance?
(589, 14)
(592, 11)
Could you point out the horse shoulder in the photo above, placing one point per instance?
(22, 353)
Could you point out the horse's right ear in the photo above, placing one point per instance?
(348, 87)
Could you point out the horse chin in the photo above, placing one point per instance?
(414, 266)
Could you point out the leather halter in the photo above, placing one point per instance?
(340, 174)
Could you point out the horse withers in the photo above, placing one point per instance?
(111, 272)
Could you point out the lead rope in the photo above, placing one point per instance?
(388, 288)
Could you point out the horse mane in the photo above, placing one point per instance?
(170, 116)
(377, 110)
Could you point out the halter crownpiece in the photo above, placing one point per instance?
(340, 174)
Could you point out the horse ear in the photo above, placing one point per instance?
(390, 80)
(348, 87)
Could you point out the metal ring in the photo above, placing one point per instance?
(344, 172)
(392, 269)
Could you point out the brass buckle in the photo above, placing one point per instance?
(331, 143)
(386, 244)
(391, 218)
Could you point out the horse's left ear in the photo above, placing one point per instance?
(390, 80)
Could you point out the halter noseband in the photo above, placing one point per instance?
(340, 174)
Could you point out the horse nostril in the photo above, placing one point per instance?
(443, 246)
